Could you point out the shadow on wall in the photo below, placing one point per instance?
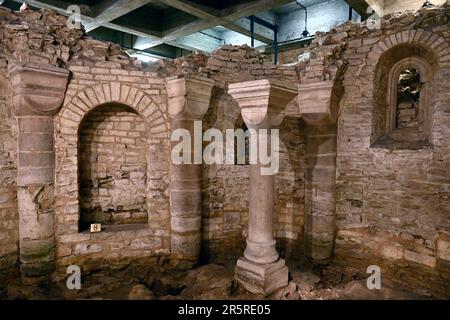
(289, 188)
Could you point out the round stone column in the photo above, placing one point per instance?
(189, 99)
(38, 94)
(260, 240)
(262, 104)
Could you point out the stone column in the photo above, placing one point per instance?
(188, 100)
(261, 271)
(318, 104)
(38, 94)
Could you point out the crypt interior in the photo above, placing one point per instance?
(359, 92)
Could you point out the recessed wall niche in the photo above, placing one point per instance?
(112, 167)
(402, 116)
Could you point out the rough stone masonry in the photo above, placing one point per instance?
(364, 155)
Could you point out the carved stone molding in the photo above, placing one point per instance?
(38, 89)
(188, 97)
(319, 102)
(262, 102)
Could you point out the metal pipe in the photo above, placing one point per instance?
(211, 36)
(275, 45)
(302, 39)
(252, 30)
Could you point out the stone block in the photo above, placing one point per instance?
(420, 259)
(85, 248)
(318, 246)
(443, 250)
(262, 279)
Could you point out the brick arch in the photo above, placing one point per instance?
(418, 43)
(86, 100)
(438, 45)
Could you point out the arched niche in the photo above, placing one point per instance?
(112, 166)
(386, 132)
(67, 126)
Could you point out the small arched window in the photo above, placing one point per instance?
(408, 113)
(403, 88)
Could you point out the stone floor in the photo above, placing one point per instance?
(213, 282)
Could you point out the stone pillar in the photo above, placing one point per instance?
(38, 94)
(318, 104)
(261, 271)
(188, 100)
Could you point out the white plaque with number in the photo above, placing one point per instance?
(96, 227)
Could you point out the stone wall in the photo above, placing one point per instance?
(290, 188)
(393, 203)
(9, 218)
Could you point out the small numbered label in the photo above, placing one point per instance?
(96, 227)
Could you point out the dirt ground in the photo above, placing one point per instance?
(211, 282)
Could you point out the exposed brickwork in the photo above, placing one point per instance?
(149, 104)
(113, 162)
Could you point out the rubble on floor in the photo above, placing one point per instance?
(215, 282)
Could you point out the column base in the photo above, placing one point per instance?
(262, 279)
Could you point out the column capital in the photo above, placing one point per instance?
(319, 102)
(38, 89)
(262, 102)
(188, 96)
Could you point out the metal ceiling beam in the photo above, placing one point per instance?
(110, 10)
(210, 18)
(230, 18)
(359, 6)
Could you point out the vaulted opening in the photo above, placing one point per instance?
(402, 114)
(112, 167)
